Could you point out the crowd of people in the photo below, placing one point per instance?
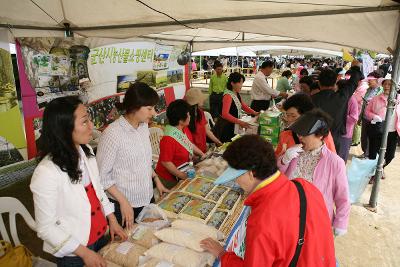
(79, 195)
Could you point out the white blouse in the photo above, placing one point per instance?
(124, 157)
(306, 164)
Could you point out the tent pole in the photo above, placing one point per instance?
(190, 62)
(373, 200)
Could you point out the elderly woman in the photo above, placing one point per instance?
(376, 114)
(176, 147)
(294, 107)
(313, 161)
(272, 228)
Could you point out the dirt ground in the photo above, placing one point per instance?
(373, 239)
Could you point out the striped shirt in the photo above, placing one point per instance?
(124, 157)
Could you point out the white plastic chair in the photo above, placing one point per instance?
(155, 136)
(13, 206)
(209, 119)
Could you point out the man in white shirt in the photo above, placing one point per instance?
(261, 92)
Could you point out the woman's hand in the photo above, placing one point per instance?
(160, 187)
(182, 176)
(244, 124)
(90, 258)
(292, 153)
(212, 246)
(116, 229)
(127, 213)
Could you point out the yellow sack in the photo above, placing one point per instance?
(18, 256)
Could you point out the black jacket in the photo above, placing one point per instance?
(335, 103)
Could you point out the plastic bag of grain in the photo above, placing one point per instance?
(112, 264)
(182, 237)
(125, 254)
(146, 261)
(198, 227)
(142, 235)
(180, 255)
(153, 216)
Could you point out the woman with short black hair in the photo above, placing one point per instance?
(70, 204)
(176, 146)
(275, 207)
(232, 106)
(124, 155)
(294, 107)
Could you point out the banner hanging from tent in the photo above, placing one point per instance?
(11, 132)
(55, 67)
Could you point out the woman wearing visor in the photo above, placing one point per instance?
(314, 162)
(272, 228)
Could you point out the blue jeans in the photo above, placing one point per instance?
(77, 261)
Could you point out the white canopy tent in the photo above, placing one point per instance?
(209, 24)
(228, 51)
(263, 50)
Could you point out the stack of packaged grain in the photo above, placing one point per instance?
(269, 126)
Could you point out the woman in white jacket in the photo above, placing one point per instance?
(70, 204)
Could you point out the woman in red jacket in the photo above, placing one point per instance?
(272, 231)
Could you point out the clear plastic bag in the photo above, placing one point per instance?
(358, 173)
(153, 216)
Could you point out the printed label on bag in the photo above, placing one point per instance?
(139, 232)
(164, 264)
(124, 248)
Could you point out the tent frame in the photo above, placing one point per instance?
(208, 20)
(373, 200)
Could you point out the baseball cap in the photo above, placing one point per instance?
(229, 174)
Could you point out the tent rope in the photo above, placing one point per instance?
(45, 11)
(165, 14)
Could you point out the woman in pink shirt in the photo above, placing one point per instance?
(376, 114)
(314, 162)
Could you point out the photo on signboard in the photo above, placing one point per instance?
(162, 103)
(161, 57)
(60, 65)
(124, 81)
(148, 77)
(37, 126)
(175, 76)
(42, 63)
(8, 94)
(161, 79)
(104, 112)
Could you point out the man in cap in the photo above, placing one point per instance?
(282, 212)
